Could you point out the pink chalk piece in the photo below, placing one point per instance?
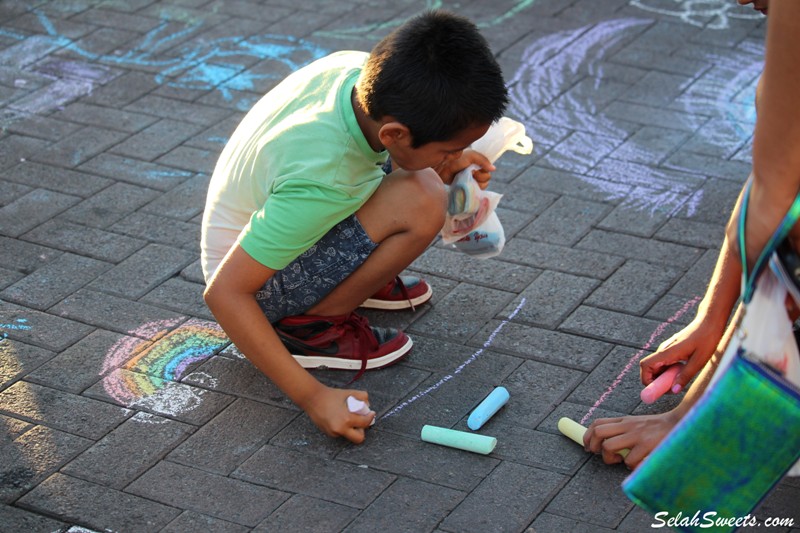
(354, 405)
(661, 384)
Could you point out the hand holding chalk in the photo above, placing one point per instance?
(571, 429)
(354, 405)
(575, 431)
(661, 384)
(487, 408)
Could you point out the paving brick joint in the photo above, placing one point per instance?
(123, 406)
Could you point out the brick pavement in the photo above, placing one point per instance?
(124, 408)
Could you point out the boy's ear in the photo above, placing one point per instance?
(393, 133)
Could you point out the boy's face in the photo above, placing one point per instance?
(433, 154)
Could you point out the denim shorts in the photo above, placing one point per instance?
(317, 271)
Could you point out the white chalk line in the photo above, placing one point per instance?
(461, 367)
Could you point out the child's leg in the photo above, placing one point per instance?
(316, 272)
(403, 216)
(395, 225)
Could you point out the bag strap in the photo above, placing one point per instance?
(749, 282)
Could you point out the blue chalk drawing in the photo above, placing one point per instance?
(159, 174)
(206, 66)
(716, 103)
(549, 67)
(19, 324)
(712, 14)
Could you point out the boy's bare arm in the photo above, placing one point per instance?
(230, 296)
(449, 168)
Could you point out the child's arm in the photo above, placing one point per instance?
(230, 296)
(696, 342)
(642, 433)
(449, 168)
(776, 157)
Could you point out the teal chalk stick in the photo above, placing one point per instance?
(487, 408)
(462, 440)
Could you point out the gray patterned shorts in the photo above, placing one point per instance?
(317, 271)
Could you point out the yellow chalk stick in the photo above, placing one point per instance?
(571, 429)
(575, 431)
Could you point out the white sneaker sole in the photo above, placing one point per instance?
(394, 305)
(322, 361)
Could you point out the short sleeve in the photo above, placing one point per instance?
(296, 215)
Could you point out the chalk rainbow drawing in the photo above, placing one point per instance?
(142, 370)
(712, 14)
(551, 65)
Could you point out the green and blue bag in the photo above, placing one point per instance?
(743, 434)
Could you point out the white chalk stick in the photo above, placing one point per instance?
(354, 405)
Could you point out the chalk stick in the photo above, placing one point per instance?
(354, 405)
(575, 431)
(487, 408)
(571, 429)
(661, 384)
(462, 440)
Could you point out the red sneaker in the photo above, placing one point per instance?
(403, 292)
(346, 342)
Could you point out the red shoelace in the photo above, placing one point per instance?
(362, 332)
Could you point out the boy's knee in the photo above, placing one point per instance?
(413, 202)
(427, 198)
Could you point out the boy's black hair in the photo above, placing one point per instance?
(436, 75)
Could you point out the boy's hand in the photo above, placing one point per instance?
(450, 167)
(328, 410)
